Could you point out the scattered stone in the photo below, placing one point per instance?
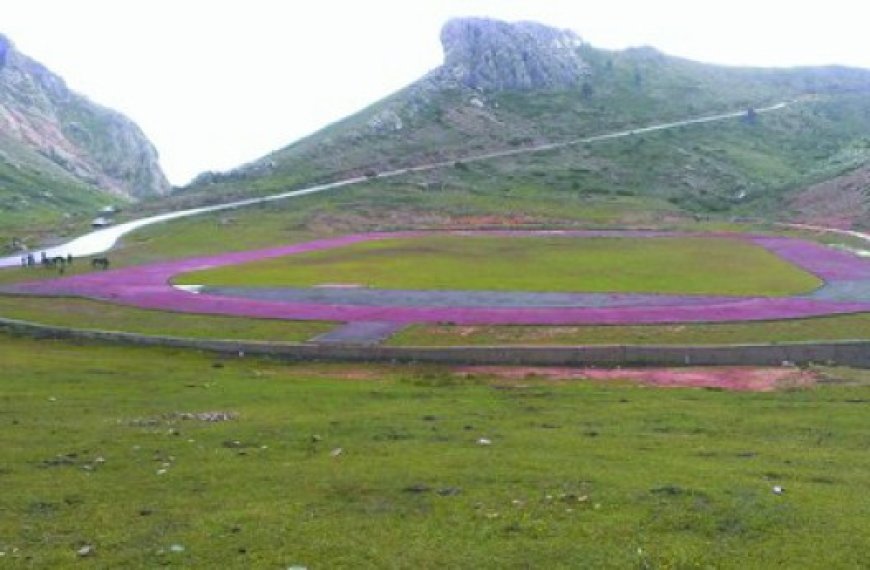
(449, 491)
(215, 416)
(429, 418)
(86, 550)
(146, 512)
(670, 490)
(176, 548)
(146, 422)
(336, 452)
(161, 471)
(418, 488)
(236, 444)
(778, 490)
(484, 441)
(61, 460)
(315, 438)
(570, 498)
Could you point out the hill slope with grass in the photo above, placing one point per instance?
(515, 86)
(61, 153)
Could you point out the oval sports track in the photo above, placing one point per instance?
(846, 290)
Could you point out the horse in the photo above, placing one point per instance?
(101, 262)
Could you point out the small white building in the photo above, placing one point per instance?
(101, 222)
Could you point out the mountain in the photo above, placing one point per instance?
(60, 152)
(518, 85)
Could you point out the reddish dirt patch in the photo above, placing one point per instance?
(738, 378)
(840, 202)
(512, 220)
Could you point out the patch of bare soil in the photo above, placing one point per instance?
(841, 202)
(738, 378)
(493, 221)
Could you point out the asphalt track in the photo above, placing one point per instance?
(846, 290)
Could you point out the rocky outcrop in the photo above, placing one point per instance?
(94, 144)
(493, 55)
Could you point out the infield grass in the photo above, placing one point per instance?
(578, 474)
(651, 265)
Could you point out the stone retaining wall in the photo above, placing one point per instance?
(848, 353)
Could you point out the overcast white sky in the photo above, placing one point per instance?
(215, 83)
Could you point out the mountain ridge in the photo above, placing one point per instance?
(94, 144)
(495, 104)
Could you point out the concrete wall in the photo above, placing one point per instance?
(848, 353)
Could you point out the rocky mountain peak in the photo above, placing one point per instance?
(5, 46)
(41, 117)
(491, 55)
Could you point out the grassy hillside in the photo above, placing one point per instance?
(38, 198)
(732, 168)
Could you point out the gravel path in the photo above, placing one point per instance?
(148, 286)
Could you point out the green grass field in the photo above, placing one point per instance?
(844, 327)
(662, 265)
(87, 314)
(578, 474)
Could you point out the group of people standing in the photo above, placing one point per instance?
(59, 261)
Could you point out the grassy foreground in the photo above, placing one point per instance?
(96, 453)
(661, 265)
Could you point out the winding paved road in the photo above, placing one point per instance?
(100, 241)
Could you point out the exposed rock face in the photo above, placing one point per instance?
(493, 55)
(94, 144)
